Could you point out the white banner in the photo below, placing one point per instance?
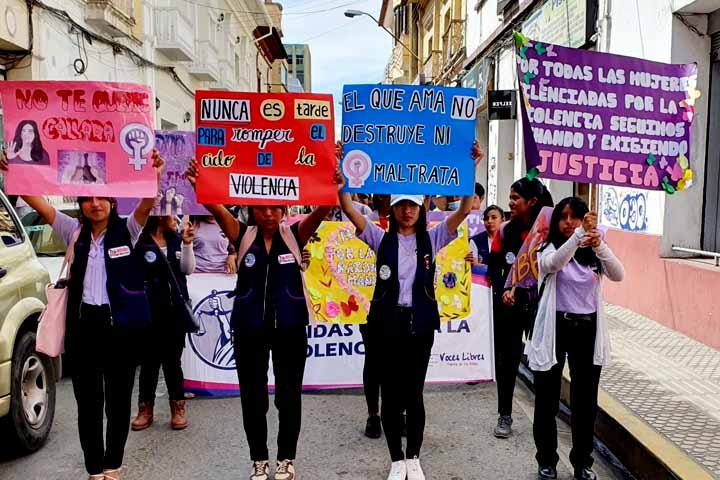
(335, 354)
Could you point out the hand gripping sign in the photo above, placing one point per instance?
(255, 148)
(78, 138)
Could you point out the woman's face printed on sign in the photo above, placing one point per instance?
(27, 134)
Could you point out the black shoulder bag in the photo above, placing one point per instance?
(184, 307)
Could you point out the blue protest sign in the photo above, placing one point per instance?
(408, 139)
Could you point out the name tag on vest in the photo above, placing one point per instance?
(118, 252)
(178, 255)
(286, 258)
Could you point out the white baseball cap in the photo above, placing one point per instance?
(416, 199)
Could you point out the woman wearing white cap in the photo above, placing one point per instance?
(404, 313)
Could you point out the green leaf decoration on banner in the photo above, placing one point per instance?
(528, 76)
(520, 39)
(669, 189)
(540, 49)
(651, 159)
(523, 52)
(532, 173)
(665, 180)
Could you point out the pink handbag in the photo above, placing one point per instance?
(50, 338)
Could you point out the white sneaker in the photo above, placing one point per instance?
(285, 470)
(260, 470)
(414, 471)
(398, 471)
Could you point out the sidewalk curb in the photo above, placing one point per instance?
(645, 453)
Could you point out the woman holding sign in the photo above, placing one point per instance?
(514, 314)
(570, 323)
(270, 315)
(106, 308)
(404, 314)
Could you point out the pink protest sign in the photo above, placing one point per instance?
(78, 138)
(176, 195)
(524, 273)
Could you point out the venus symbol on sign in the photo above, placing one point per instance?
(137, 141)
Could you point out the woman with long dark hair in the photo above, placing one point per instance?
(513, 309)
(404, 314)
(269, 316)
(165, 337)
(570, 324)
(106, 309)
(26, 146)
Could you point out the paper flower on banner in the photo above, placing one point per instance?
(676, 172)
(650, 159)
(686, 181)
(532, 173)
(523, 52)
(551, 51)
(693, 94)
(450, 280)
(669, 189)
(332, 309)
(528, 77)
(520, 39)
(540, 49)
(350, 306)
(663, 163)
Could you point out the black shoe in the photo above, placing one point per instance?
(373, 429)
(403, 426)
(504, 427)
(547, 473)
(585, 474)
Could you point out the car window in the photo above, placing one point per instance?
(44, 240)
(10, 232)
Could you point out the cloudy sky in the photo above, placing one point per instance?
(343, 50)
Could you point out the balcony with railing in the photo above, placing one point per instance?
(113, 17)
(205, 67)
(175, 34)
(394, 69)
(453, 42)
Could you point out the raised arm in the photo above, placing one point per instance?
(39, 204)
(458, 216)
(228, 224)
(142, 211)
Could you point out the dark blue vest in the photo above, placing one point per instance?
(157, 278)
(383, 309)
(269, 290)
(125, 280)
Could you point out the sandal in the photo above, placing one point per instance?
(112, 474)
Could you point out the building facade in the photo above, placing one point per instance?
(175, 46)
(300, 64)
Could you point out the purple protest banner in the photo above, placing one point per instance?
(176, 196)
(594, 117)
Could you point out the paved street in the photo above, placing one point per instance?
(458, 441)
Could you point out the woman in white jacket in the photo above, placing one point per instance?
(570, 323)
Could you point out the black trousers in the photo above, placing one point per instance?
(103, 372)
(165, 341)
(371, 370)
(576, 339)
(252, 353)
(404, 358)
(509, 324)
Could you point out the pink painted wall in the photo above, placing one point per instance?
(680, 294)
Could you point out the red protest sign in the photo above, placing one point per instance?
(78, 138)
(260, 149)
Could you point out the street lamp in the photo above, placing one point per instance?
(358, 13)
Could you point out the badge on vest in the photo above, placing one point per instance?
(150, 257)
(426, 258)
(249, 260)
(385, 272)
(286, 258)
(178, 255)
(119, 252)
(510, 258)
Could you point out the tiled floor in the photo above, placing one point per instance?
(669, 380)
